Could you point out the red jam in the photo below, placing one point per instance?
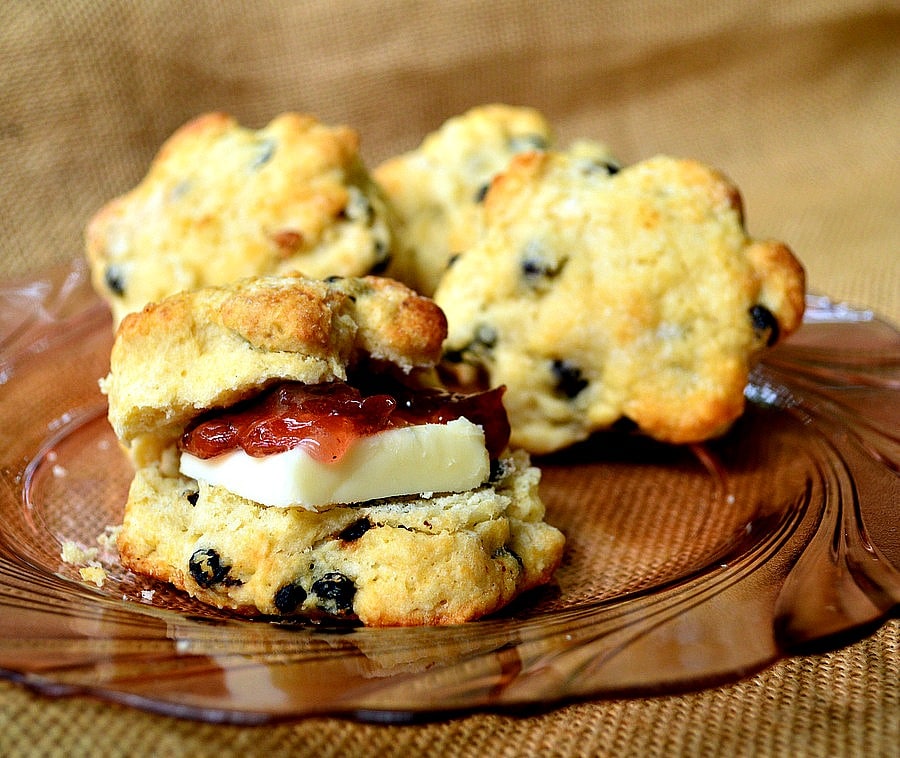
(326, 418)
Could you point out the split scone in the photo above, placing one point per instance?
(599, 296)
(437, 188)
(221, 202)
(293, 460)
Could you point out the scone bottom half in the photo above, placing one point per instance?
(206, 365)
(445, 559)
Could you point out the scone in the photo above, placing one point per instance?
(437, 187)
(632, 296)
(293, 458)
(222, 202)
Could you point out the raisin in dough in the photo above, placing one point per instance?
(597, 295)
(413, 560)
(222, 202)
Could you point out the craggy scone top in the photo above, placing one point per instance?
(597, 295)
(222, 202)
(215, 346)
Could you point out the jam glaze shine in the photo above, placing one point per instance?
(325, 419)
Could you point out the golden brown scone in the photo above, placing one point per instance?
(597, 295)
(223, 202)
(427, 558)
(437, 187)
(215, 346)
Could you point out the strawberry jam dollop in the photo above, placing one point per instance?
(326, 418)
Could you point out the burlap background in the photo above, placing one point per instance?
(798, 101)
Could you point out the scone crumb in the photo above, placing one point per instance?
(88, 559)
(93, 572)
(74, 554)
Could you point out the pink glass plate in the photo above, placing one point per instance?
(684, 567)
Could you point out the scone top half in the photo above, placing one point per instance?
(213, 347)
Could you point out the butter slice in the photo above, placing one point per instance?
(409, 460)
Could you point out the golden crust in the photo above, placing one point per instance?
(299, 318)
(782, 282)
(217, 345)
(597, 295)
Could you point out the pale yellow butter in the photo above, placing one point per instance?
(410, 460)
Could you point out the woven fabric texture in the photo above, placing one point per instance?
(798, 101)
